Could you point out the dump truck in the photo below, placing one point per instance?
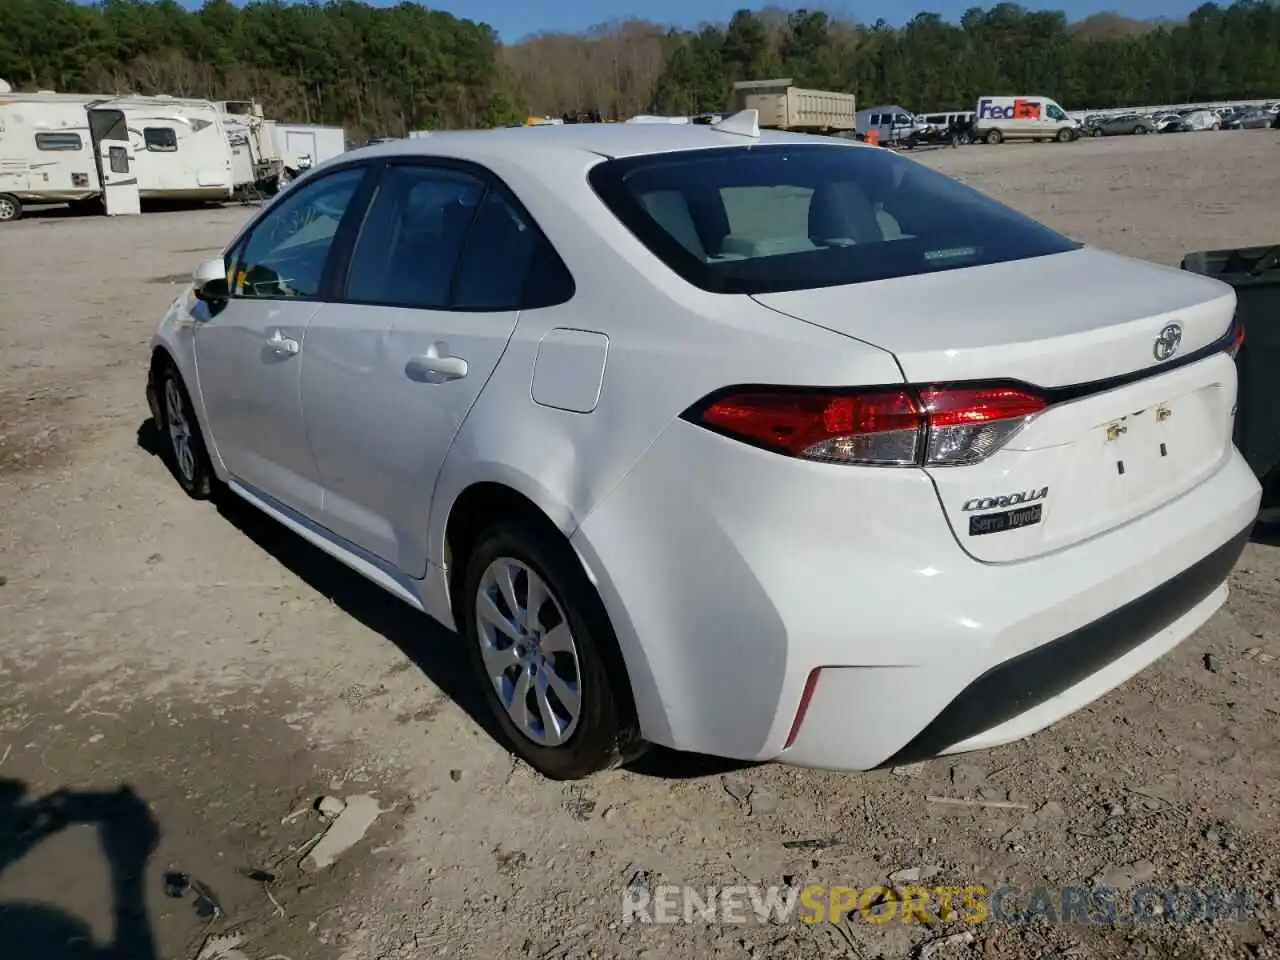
(783, 106)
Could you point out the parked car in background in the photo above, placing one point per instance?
(1124, 125)
(1202, 121)
(956, 120)
(1251, 119)
(892, 124)
(956, 130)
(1173, 124)
(833, 537)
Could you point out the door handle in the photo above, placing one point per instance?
(436, 366)
(282, 345)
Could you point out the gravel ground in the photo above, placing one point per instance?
(177, 680)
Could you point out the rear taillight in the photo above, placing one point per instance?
(1237, 338)
(968, 424)
(897, 427)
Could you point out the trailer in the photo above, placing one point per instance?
(112, 152)
(46, 153)
(783, 106)
(303, 145)
(255, 155)
(181, 148)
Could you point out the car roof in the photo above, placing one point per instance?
(531, 145)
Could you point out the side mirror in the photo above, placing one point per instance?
(209, 282)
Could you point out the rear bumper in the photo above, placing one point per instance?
(731, 574)
(1033, 680)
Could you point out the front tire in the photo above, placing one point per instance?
(544, 650)
(184, 445)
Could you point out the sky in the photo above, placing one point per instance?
(514, 19)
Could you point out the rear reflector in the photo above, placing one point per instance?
(1237, 337)
(810, 684)
(931, 426)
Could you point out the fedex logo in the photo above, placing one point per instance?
(1014, 110)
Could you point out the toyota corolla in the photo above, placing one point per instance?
(760, 445)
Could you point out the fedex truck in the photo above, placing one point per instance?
(1023, 118)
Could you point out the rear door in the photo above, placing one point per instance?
(300, 148)
(116, 162)
(432, 292)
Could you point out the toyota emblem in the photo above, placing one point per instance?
(1167, 343)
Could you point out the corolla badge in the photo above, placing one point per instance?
(1008, 500)
(1167, 343)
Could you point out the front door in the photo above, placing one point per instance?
(249, 353)
(116, 162)
(415, 335)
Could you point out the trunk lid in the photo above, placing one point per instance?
(1099, 455)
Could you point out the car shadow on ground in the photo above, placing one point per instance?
(1267, 529)
(128, 835)
(433, 649)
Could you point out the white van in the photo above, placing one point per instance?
(1023, 118)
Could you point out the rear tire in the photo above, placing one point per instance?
(185, 451)
(995, 137)
(10, 208)
(1097, 132)
(535, 663)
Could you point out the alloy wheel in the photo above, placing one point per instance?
(179, 430)
(529, 652)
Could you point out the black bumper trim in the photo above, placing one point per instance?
(1029, 679)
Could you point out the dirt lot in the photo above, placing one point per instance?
(227, 674)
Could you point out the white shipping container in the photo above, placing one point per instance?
(303, 145)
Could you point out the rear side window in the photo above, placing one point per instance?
(792, 217)
(508, 263)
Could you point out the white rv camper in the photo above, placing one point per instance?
(58, 147)
(116, 151)
(181, 147)
(46, 153)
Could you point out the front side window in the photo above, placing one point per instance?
(1055, 113)
(875, 120)
(286, 251)
(791, 217)
(411, 240)
(160, 139)
(58, 141)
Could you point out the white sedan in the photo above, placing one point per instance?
(760, 445)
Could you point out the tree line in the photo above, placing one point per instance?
(388, 70)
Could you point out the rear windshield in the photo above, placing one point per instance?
(797, 216)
